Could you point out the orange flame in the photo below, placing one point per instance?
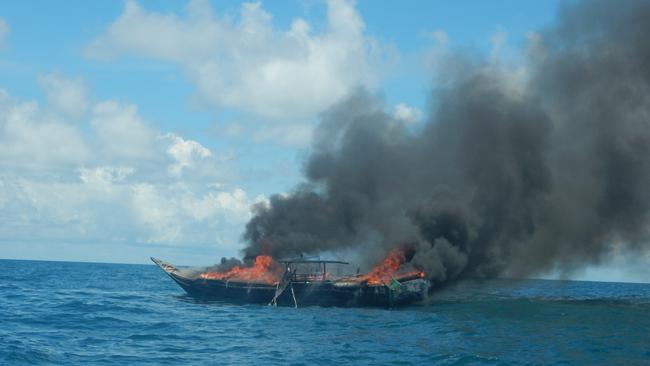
(388, 269)
(265, 271)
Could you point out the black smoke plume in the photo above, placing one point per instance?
(509, 173)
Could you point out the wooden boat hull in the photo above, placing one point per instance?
(299, 294)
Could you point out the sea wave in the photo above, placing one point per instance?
(101, 314)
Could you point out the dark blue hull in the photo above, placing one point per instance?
(322, 293)
(301, 293)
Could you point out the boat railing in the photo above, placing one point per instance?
(308, 277)
(319, 273)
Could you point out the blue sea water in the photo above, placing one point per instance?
(111, 314)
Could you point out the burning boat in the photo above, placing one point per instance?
(303, 282)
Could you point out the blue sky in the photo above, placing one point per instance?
(144, 128)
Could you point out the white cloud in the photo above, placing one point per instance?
(68, 96)
(153, 209)
(288, 134)
(122, 132)
(4, 32)
(65, 182)
(406, 113)
(234, 206)
(186, 153)
(247, 63)
(174, 213)
(105, 176)
(28, 137)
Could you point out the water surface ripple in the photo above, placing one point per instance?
(110, 314)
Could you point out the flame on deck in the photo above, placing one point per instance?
(265, 270)
(389, 269)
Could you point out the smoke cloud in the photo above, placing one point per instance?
(517, 176)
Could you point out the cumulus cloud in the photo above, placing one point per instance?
(113, 177)
(246, 62)
(122, 132)
(174, 213)
(186, 153)
(104, 176)
(29, 138)
(66, 95)
(4, 32)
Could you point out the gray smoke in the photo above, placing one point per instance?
(225, 265)
(506, 176)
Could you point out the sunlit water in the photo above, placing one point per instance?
(108, 314)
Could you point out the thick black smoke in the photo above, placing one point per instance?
(509, 174)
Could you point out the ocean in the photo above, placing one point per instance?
(61, 313)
